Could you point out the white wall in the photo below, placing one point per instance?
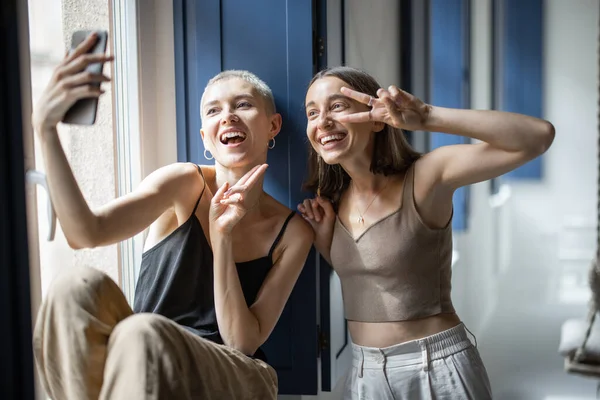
(542, 287)
(571, 104)
(157, 87)
(536, 211)
(371, 27)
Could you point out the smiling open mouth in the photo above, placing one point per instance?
(334, 137)
(232, 137)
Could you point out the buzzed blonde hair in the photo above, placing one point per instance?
(264, 91)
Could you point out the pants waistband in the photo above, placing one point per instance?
(417, 351)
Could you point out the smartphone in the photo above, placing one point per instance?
(84, 111)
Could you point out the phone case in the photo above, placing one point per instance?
(84, 111)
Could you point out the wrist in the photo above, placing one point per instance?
(43, 128)
(220, 238)
(434, 120)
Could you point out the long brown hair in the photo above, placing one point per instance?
(392, 154)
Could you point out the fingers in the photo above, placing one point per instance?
(247, 176)
(80, 63)
(399, 96)
(234, 199)
(389, 103)
(302, 210)
(394, 93)
(358, 96)
(386, 94)
(390, 99)
(248, 180)
(316, 210)
(234, 194)
(355, 117)
(326, 206)
(306, 209)
(81, 92)
(220, 193)
(83, 78)
(83, 47)
(237, 189)
(255, 176)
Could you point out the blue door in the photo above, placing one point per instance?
(449, 79)
(519, 67)
(274, 40)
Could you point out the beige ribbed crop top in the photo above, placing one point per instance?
(398, 269)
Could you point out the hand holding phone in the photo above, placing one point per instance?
(84, 111)
(70, 83)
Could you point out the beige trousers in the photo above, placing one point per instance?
(88, 344)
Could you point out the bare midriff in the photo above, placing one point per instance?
(386, 334)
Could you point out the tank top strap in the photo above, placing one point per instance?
(203, 188)
(280, 234)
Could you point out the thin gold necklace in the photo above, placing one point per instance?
(360, 218)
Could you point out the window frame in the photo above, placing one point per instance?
(126, 123)
(143, 107)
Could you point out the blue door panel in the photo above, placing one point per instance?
(450, 79)
(522, 68)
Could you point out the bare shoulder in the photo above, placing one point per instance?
(181, 181)
(425, 169)
(174, 174)
(298, 232)
(296, 241)
(208, 171)
(428, 171)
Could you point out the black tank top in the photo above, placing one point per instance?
(176, 278)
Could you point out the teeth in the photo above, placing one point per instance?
(230, 135)
(327, 139)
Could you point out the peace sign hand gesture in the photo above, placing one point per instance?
(229, 205)
(394, 107)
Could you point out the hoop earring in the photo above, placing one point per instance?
(271, 146)
(207, 157)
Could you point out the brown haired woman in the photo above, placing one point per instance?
(387, 229)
